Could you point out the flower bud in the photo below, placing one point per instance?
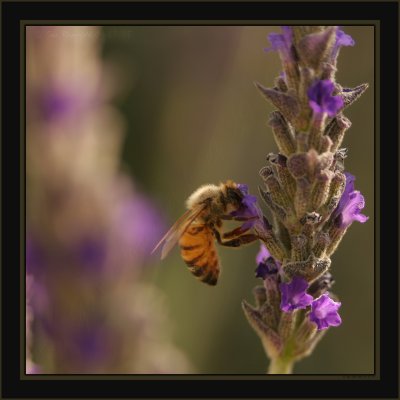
(305, 332)
(270, 339)
(324, 162)
(316, 130)
(287, 181)
(273, 293)
(260, 295)
(302, 196)
(338, 183)
(283, 133)
(306, 79)
(284, 102)
(280, 84)
(315, 48)
(302, 139)
(336, 234)
(340, 155)
(321, 189)
(298, 165)
(270, 315)
(328, 71)
(279, 162)
(286, 324)
(299, 247)
(336, 130)
(325, 144)
(278, 195)
(275, 247)
(278, 211)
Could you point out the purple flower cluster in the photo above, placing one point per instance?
(324, 311)
(321, 100)
(350, 205)
(89, 239)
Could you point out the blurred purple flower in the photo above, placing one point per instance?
(65, 101)
(91, 252)
(266, 265)
(294, 294)
(139, 224)
(57, 103)
(34, 255)
(281, 42)
(321, 99)
(106, 320)
(91, 343)
(324, 312)
(350, 205)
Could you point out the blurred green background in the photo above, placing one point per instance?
(194, 117)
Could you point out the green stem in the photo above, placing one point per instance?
(280, 366)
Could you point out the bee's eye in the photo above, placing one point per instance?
(235, 195)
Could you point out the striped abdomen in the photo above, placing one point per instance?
(199, 253)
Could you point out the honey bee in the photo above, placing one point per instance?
(198, 228)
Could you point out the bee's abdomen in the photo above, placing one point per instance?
(199, 253)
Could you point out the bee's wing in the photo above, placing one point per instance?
(177, 230)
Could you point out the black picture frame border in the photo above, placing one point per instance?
(387, 13)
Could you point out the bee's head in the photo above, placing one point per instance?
(234, 195)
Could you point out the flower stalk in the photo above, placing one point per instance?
(312, 200)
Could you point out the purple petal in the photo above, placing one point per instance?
(263, 254)
(249, 207)
(321, 99)
(333, 319)
(293, 294)
(343, 39)
(281, 42)
(350, 205)
(92, 252)
(266, 265)
(324, 312)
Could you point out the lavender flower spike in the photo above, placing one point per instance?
(321, 99)
(324, 312)
(294, 294)
(350, 205)
(311, 199)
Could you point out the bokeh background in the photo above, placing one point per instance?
(123, 123)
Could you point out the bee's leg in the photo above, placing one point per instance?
(236, 242)
(232, 218)
(236, 232)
